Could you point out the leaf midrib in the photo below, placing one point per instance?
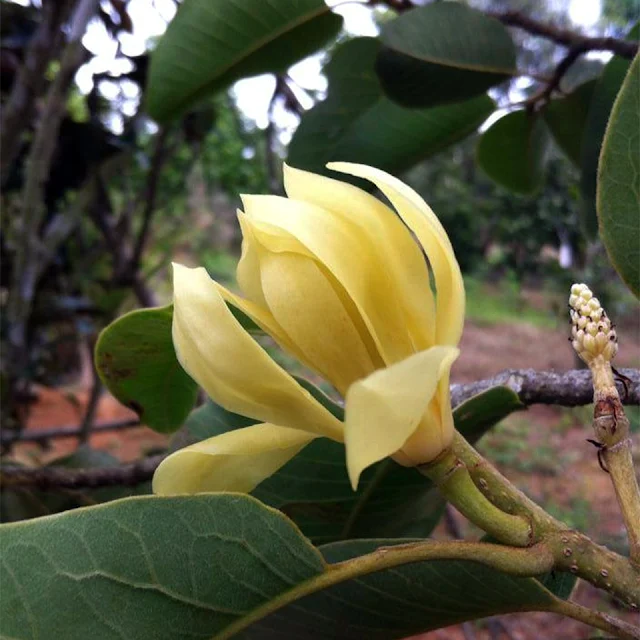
(246, 53)
(512, 72)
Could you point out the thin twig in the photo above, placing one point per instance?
(27, 264)
(150, 194)
(127, 475)
(44, 435)
(565, 37)
(270, 134)
(101, 214)
(86, 426)
(553, 83)
(292, 100)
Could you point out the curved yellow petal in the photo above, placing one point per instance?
(234, 461)
(450, 299)
(306, 302)
(384, 410)
(340, 247)
(231, 367)
(388, 236)
(248, 270)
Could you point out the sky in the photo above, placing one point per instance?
(150, 18)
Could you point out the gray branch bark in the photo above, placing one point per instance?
(42, 436)
(30, 83)
(29, 250)
(567, 389)
(127, 475)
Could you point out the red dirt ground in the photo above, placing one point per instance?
(570, 472)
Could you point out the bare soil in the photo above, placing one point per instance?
(567, 476)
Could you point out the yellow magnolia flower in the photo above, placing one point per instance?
(339, 281)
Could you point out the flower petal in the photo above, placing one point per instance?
(248, 270)
(384, 410)
(338, 245)
(231, 367)
(307, 303)
(419, 217)
(234, 461)
(388, 236)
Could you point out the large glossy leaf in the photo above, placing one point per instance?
(206, 566)
(313, 489)
(212, 43)
(567, 117)
(619, 182)
(604, 95)
(161, 568)
(441, 53)
(357, 123)
(513, 151)
(399, 602)
(137, 362)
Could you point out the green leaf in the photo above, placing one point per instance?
(137, 362)
(604, 95)
(512, 152)
(161, 568)
(356, 123)
(619, 182)
(245, 321)
(402, 601)
(334, 408)
(211, 419)
(313, 489)
(474, 417)
(212, 43)
(441, 53)
(567, 118)
(175, 568)
(559, 583)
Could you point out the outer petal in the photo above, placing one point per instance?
(388, 236)
(231, 367)
(385, 409)
(339, 245)
(450, 302)
(248, 271)
(234, 461)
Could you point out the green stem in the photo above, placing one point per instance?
(573, 551)
(501, 492)
(528, 562)
(452, 477)
(603, 621)
(619, 461)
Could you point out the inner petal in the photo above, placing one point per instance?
(338, 244)
(319, 317)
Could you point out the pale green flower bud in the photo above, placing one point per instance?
(592, 333)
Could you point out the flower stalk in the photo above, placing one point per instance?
(452, 478)
(572, 551)
(596, 342)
